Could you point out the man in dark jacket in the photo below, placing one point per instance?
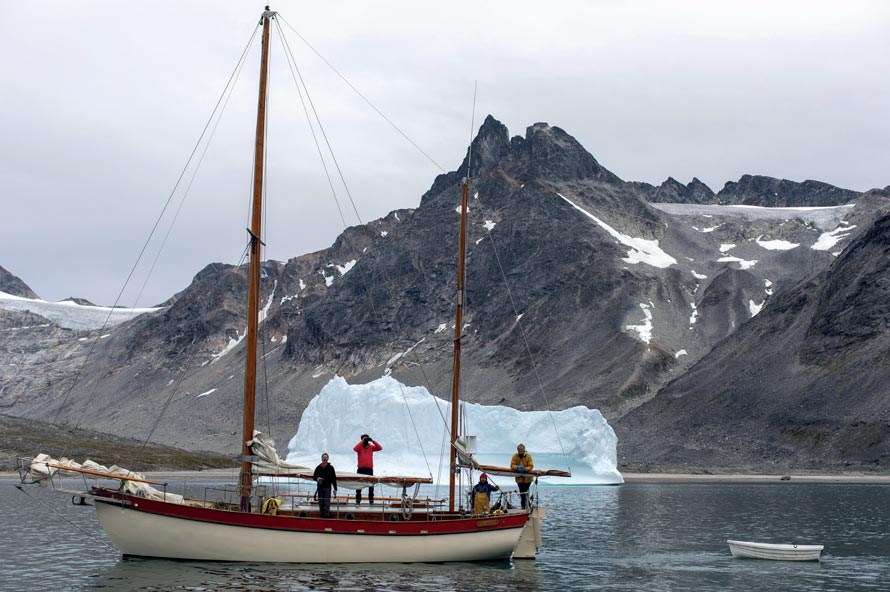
(326, 478)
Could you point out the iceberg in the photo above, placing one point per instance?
(411, 425)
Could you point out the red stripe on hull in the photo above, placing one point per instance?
(430, 524)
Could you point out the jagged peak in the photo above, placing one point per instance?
(671, 182)
(488, 148)
(672, 190)
(545, 152)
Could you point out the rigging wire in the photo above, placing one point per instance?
(363, 97)
(179, 380)
(80, 369)
(291, 62)
(466, 237)
(65, 518)
(524, 337)
(339, 170)
(265, 226)
(229, 90)
(295, 73)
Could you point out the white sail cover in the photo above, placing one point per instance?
(43, 467)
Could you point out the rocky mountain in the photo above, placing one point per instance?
(800, 386)
(11, 284)
(581, 289)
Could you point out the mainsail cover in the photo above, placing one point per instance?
(43, 468)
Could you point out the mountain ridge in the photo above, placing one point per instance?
(606, 321)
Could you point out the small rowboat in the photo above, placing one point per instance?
(775, 552)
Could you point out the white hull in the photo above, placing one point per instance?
(151, 535)
(749, 550)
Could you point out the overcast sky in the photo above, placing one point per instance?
(102, 103)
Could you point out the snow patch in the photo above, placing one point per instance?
(743, 264)
(682, 352)
(489, 225)
(777, 245)
(699, 276)
(645, 329)
(827, 240)
(233, 343)
(265, 311)
(396, 357)
(755, 308)
(726, 247)
(344, 269)
(210, 392)
(641, 250)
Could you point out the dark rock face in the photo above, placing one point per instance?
(757, 190)
(720, 335)
(800, 386)
(11, 284)
(853, 309)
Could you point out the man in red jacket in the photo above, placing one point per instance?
(365, 450)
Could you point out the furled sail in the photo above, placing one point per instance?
(43, 468)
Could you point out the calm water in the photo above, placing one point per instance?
(633, 537)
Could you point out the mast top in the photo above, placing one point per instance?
(267, 15)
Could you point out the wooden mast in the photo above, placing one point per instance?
(458, 325)
(253, 294)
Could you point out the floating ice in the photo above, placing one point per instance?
(410, 425)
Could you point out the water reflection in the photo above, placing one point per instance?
(147, 574)
(640, 537)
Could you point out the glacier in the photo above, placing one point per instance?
(411, 425)
(70, 315)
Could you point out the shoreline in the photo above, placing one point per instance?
(629, 477)
(850, 478)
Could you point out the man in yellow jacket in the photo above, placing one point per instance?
(522, 462)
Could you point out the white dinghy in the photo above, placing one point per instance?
(790, 552)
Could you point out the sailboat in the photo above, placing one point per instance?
(142, 519)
